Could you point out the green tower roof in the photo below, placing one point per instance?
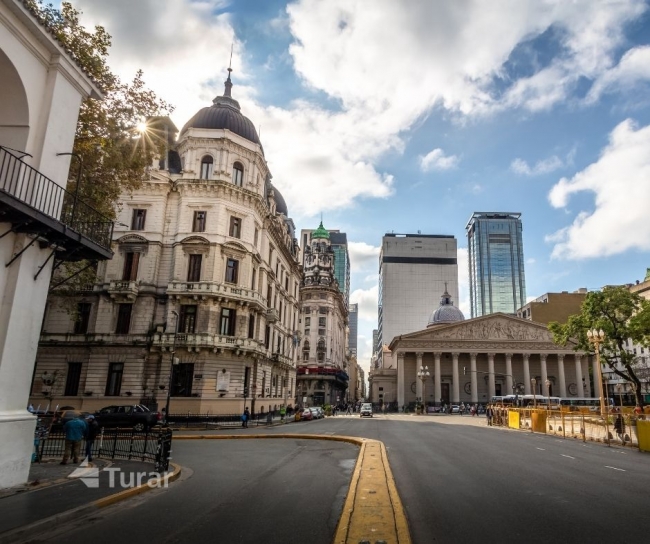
(320, 232)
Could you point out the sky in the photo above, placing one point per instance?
(409, 116)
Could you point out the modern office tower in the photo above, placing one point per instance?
(354, 328)
(496, 263)
(339, 242)
(375, 340)
(414, 269)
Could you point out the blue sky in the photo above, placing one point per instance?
(392, 119)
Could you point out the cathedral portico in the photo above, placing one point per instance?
(477, 359)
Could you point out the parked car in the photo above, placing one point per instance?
(366, 410)
(455, 409)
(307, 415)
(317, 412)
(137, 416)
(63, 416)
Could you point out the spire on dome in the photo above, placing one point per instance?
(228, 82)
(226, 99)
(320, 232)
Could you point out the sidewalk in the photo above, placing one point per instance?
(57, 493)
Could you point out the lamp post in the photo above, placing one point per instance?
(548, 394)
(423, 375)
(171, 368)
(533, 382)
(596, 338)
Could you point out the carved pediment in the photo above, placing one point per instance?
(498, 328)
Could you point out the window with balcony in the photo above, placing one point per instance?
(114, 379)
(322, 321)
(83, 317)
(123, 318)
(235, 227)
(72, 380)
(238, 174)
(207, 167)
(187, 319)
(232, 269)
(198, 223)
(194, 268)
(131, 262)
(321, 332)
(138, 219)
(307, 321)
(227, 322)
(267, 336)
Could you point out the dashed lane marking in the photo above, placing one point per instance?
(567, 456)
(614, 468)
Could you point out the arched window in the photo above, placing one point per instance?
(238, 174)
(207, 165)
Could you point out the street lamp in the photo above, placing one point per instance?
(424, 374)
(171, 368)
(533, 382)
(596, 338)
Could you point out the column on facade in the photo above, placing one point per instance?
(455, 394)
(473, 377)
(526, 357)
(491, 385)
(579, 387)
(437, 386)
(542, 359)
(561, 376)
(418, 381)
(509, 380)
(400, 378)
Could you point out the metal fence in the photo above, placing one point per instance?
(615, 428)
(153, 446)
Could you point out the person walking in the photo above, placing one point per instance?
(619, 427)
(349, 410)
(74, 430)
(91, 434)
(489, 413)
(245, 417)
(283, 412)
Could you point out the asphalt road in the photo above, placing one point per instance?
(458, 483)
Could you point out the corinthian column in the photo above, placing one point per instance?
(437, 387)
(400, 378)
(491, 386)
(526, 357)
(473, 378)
(560, 371)
(542, 359)
(455, 395)
(581, 390)
(418, 381)
(509, 380)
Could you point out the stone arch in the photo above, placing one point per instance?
(14, 107)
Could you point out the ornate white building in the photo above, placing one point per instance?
(322, 371)
(202, 293)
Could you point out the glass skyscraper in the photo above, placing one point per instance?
(497, 282)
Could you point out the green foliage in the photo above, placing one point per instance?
(621, 315)
(113, 153)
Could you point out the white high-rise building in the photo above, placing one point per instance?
(414, 269)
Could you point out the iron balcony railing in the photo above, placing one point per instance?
(40, 193)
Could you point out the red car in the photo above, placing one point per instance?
(307, 415)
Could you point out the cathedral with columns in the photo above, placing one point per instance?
(454, 360)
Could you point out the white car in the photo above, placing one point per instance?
(366, 410)
(455, 409)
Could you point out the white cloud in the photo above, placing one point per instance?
(437, 160)
(545, 166)
(367, 301)
(634, 67)
(446, 54)
(619, 181)
(363, 255)
(530, 261)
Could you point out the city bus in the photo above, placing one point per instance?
(583, 404)
(526, 401)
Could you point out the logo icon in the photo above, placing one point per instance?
(87, 473)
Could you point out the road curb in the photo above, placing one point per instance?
(372, 510)
(52, 522)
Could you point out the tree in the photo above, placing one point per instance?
(114, 154)
(623, 316)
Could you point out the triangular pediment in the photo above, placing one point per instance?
(494, 327)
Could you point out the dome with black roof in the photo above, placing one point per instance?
(446, 312)
(225, 113)
(280, 204)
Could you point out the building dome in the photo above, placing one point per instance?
(320, 232)
(224, 113)
(446, 312)
(280, 204)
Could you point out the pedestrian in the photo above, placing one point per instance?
(637, 410)
(619, 427)
(283, 412)
(489, 413)
(349, 410)
(269, 418)
(462, 408)
(245, 417)
(91, 434)
(74, 430)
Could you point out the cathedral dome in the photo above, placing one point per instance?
(446, 312)
(280, 204)
(224, 113)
